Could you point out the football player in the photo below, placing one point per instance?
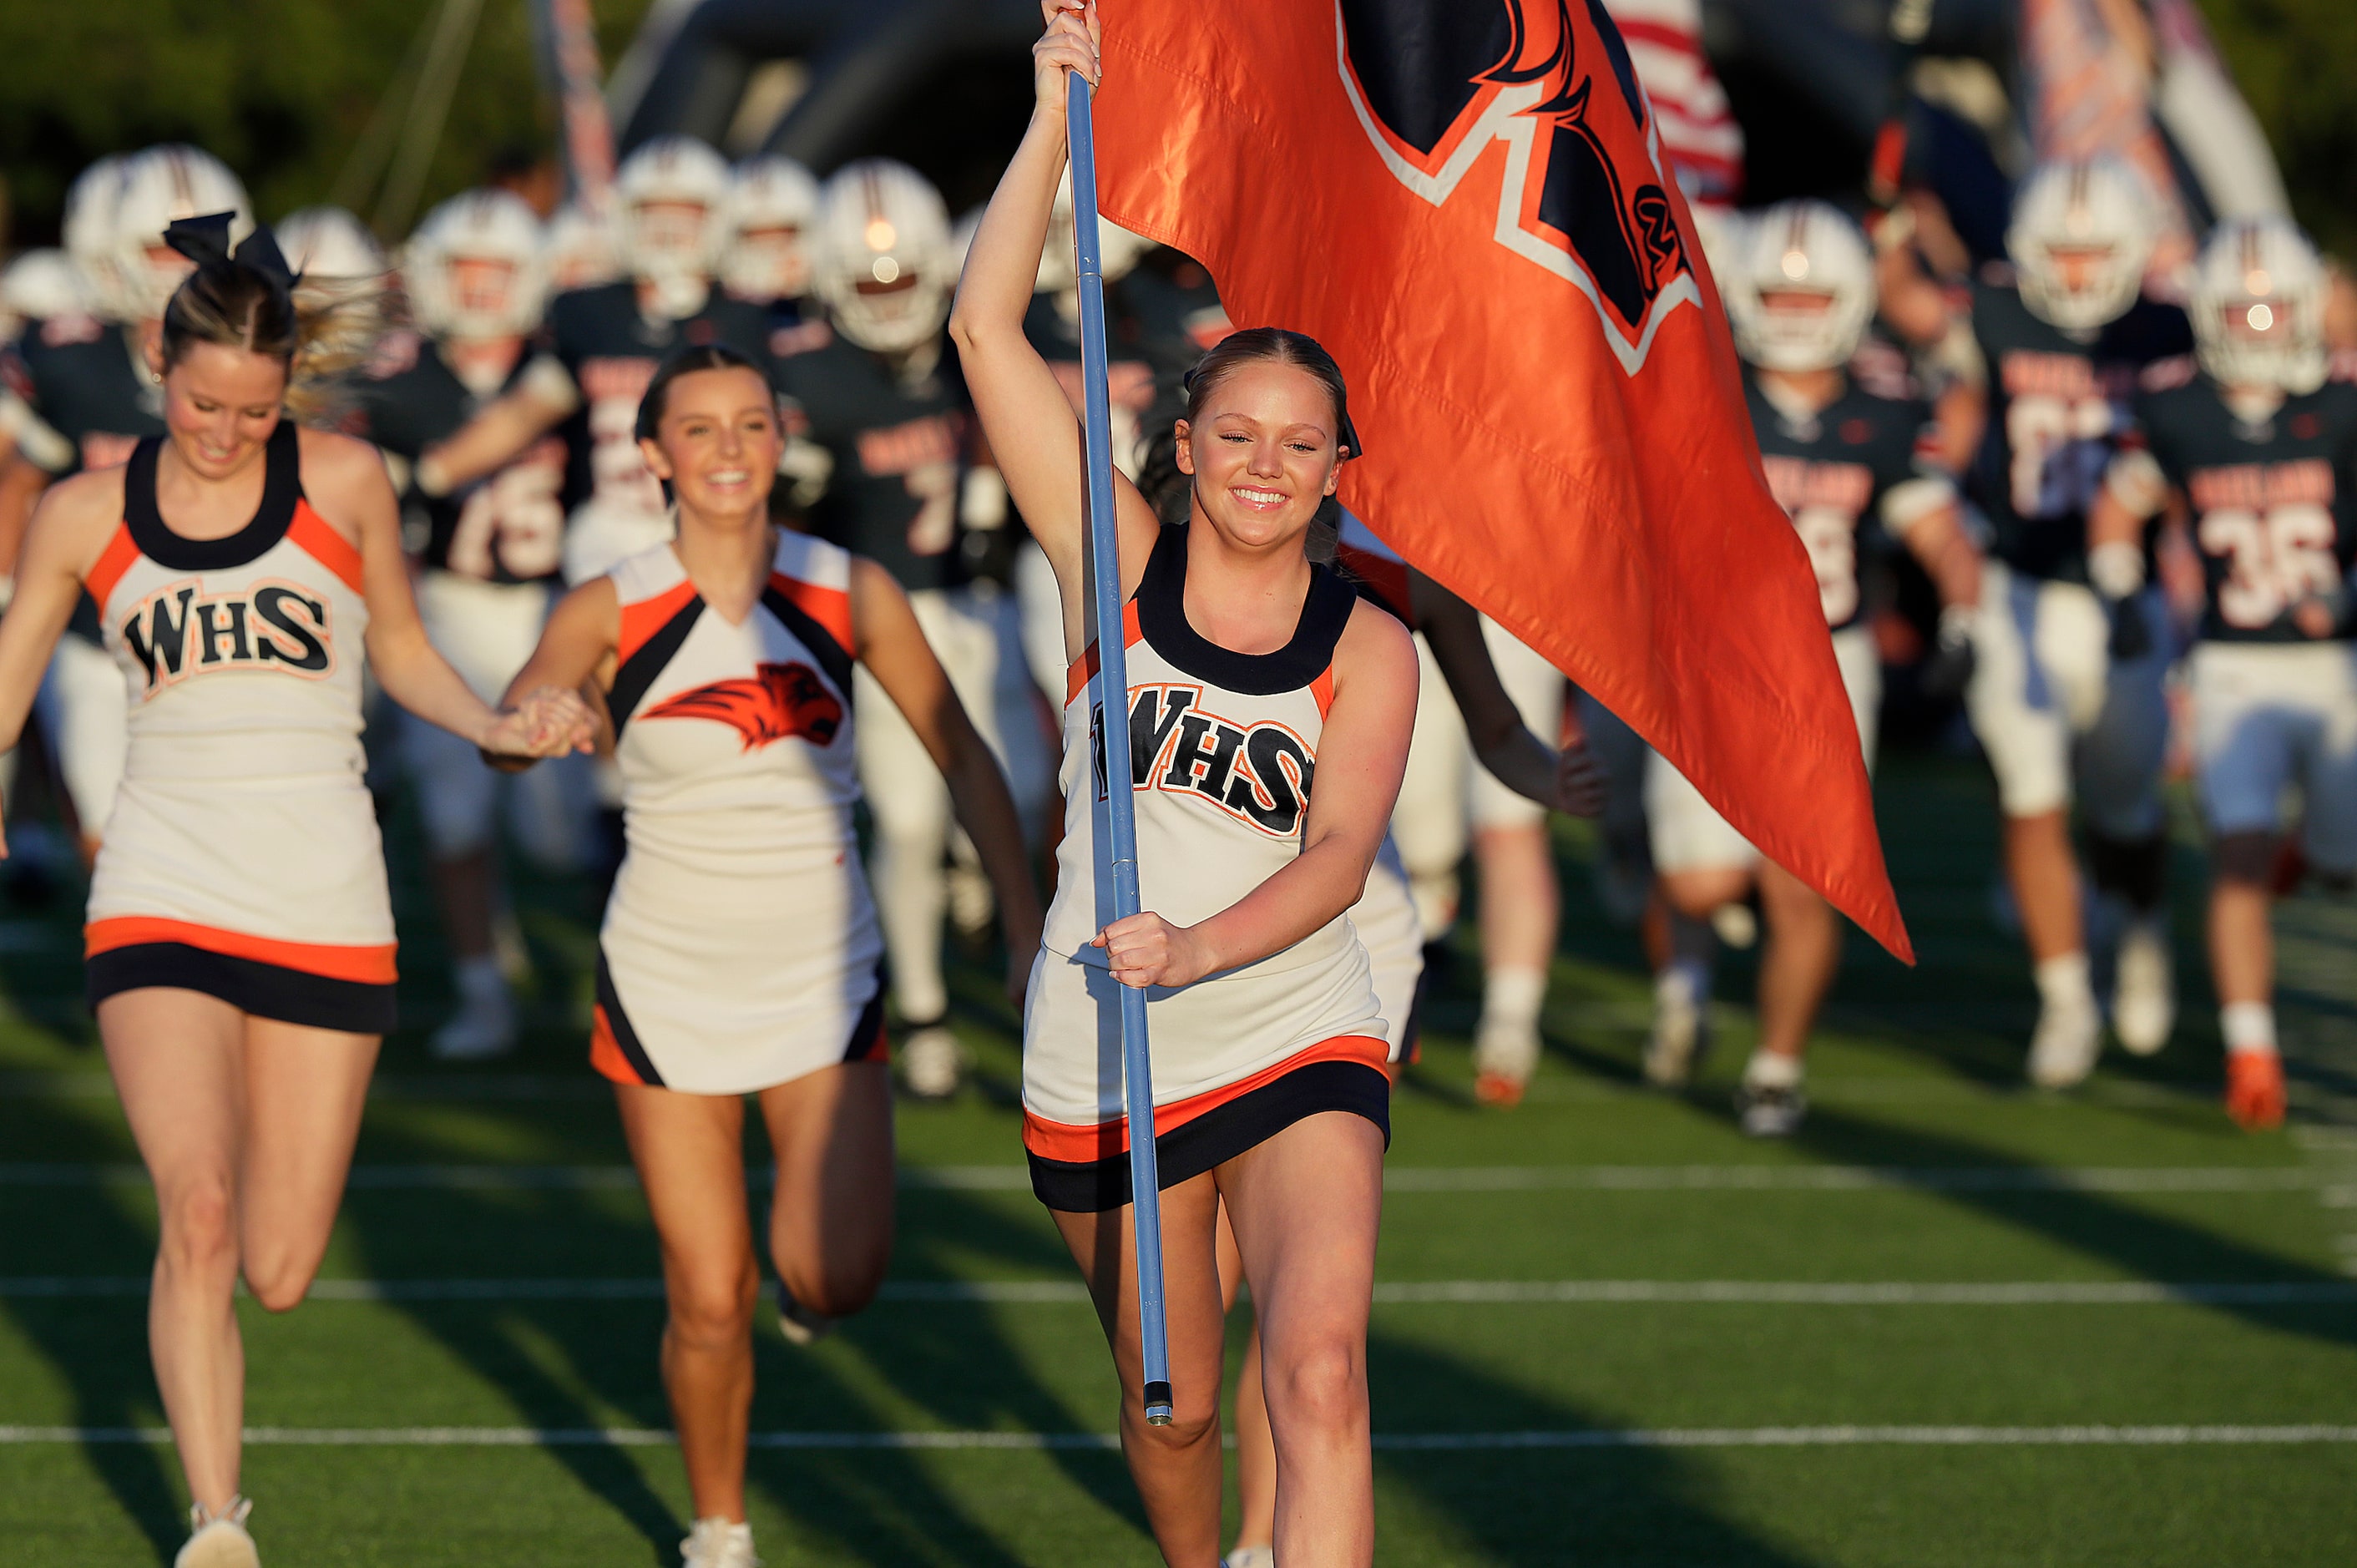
(604, 343)
(488, 552)
(1846, 465)
(2253, 445)
(882, 437)
(772, 201)
(2066, 694)
(88, 397)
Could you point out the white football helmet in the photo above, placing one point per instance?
(40, 286)
(328, 244)
(1118, 250)
(2082, 232)
(93, 202)
(477, 268)
(772, 202)
(1800, 288)
(2258, 299)
(161, 186)
(581, 251)
(881, 255)
(670, 199)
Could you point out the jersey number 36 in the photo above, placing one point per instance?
(2274, 559)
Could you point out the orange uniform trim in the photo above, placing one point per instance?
(606, 1054)
(831, 607)
(647, 617)
(1063, 1142)
(318, 538)
(112, 562)
(1084, 670)
(365, 965)
(1321, 690)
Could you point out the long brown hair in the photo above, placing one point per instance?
(248, 298)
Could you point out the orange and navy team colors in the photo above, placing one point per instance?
(741, 948)
(242, 859)
(1223, 756)
(1556, 427)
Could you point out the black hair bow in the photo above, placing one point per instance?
(205, 240)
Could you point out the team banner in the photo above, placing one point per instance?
(1464, 201)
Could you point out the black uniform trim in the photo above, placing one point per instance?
(282, 487)
(867, 1042)
(1162, 618)
(832, 656)
(617, 1024)
(1093, 1186)
(638, 672)
(262, 989)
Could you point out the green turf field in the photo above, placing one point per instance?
(1954, 1323)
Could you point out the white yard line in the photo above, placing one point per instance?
(1400, 1292)
(1397, 1178)
(1422, 1442)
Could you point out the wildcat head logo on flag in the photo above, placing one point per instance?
(1465, 201)
(1435, 92)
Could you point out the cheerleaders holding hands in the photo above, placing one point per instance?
(740, 950)
(240, 940)
(1270, 716)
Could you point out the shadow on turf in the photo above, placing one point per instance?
(1603, 1508)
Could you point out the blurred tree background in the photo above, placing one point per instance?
(2296, 60)
(283, 91)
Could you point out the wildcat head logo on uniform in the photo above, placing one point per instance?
(1583, 194)
(775, 701)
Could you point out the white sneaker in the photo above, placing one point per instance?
(2063, 1050)
(483, 1027)
(798, 1322)
(1250, 1557)
(971, 904)
(932, 1064)
(219, 1540)
(715, 1543)
(2144, 989)
(1681, 1030)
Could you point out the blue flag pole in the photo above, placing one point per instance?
(1117, 849)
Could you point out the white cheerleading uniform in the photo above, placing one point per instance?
(1223, 754)
(741, 948)
(1386, 915)
(241, 858)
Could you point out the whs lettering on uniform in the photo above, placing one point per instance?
(2258, 487)
(1798, 482)
(1258, 773)
(176, 632)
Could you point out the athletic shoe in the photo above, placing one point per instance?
(2063, 1050)
(2254, 1090)
(219, 1540)
(798, 1322)
(1504, 1058)
(1769, 1112)
(1250, 1557)
(1681, 1031)
(483, 1027)
(2144, 989)
(932, 1063)
(1736, 925)
(715, 1542)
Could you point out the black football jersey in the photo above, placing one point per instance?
(1831, 473)
(612, 350)
(2270, 504)
(85, 380)
(508, 527)
(898, 447)
(2056, 409)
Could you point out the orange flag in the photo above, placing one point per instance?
(1464, 201)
